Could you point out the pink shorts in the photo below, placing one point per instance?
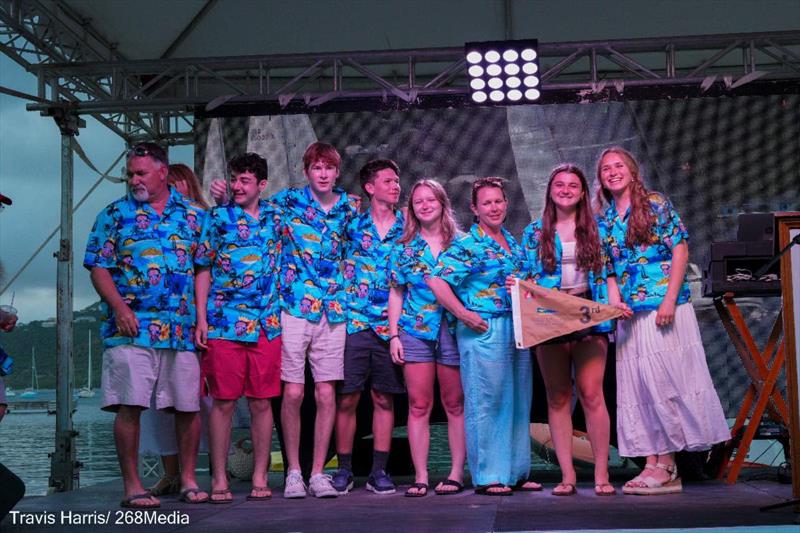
(235, 369)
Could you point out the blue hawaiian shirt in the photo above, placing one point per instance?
(412, 265)
(531, 239)
(643, 271)
(366, 273)
(149, 257)
(243, 253)
(476, 266)
(311, 281)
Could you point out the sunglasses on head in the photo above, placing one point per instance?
(154, 151)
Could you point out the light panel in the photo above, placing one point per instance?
(503, 72)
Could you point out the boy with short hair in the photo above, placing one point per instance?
(238, 264)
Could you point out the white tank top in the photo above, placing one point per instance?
(571, 277)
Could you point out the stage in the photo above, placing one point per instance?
(709, 504)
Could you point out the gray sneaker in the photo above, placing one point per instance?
(294, 486)
(319, 485)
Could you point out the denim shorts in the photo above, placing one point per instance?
(443, 351)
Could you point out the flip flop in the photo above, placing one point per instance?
(194, 490)
(422, 490)
(252, 498)
(571, 490)
(218, 493)
(598, 489)
(523, 486)
(166, 485)
(128, 502)
(448, 483)
(485, 490)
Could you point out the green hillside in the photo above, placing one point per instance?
(41, 336)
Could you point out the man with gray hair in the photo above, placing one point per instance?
(147, 288)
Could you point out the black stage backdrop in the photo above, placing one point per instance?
(713, 157)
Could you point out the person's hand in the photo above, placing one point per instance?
(201, 334)
(219, 191)
(396, 350)
(474, 322)
(627, 312)
(510, 282)
(665, 316)
(126, 321)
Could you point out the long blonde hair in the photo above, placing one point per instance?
(448, 223)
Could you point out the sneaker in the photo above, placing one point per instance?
(342, 481)
(294, 486)
(319, 485)
(380, 483)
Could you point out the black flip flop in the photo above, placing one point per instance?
(422, 490)
(449, 483)
(484, 490)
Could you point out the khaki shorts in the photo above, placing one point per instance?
(131, 374)
(321, 341)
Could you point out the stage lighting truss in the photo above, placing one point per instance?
(503, 72)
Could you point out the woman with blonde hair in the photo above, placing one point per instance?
(666, 401)
(185, 181)
(420, 336)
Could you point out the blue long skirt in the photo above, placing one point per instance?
(498, 387)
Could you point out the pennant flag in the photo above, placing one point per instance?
(542, 314)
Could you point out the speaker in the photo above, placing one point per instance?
(756, 227)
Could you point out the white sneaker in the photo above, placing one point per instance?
(320, 485)
(294, 486)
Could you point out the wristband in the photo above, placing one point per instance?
(393, 337)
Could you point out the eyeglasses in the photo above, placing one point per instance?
(149, 149)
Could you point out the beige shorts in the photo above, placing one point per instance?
(323, 342)
(132, 373)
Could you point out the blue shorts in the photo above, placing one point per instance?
(443, 351)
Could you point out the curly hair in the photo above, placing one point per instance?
(641, 219)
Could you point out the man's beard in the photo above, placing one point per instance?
(141, 194)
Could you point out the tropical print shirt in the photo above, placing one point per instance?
(243, 253)
(366, 273)
(311, 281)
(476, 266)
(149, 257)
(531, 240)
(422, 314)
(643, 271)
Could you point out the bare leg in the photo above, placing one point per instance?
(219, 437)
(346, 405)
(419, 382)
(126, 439)
(325, 395)
(382, 421)
(452, 397)
(555, 363)
(290, 422)
(187, 429)
(261, 433)
(589, 357)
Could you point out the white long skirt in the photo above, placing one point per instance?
(666, 401)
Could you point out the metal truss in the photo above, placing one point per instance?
(312, 82)
(35, 33)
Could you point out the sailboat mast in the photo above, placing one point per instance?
(89, 380)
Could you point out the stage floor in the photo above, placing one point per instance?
(701, 505)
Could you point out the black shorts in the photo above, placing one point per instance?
(366, 356)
